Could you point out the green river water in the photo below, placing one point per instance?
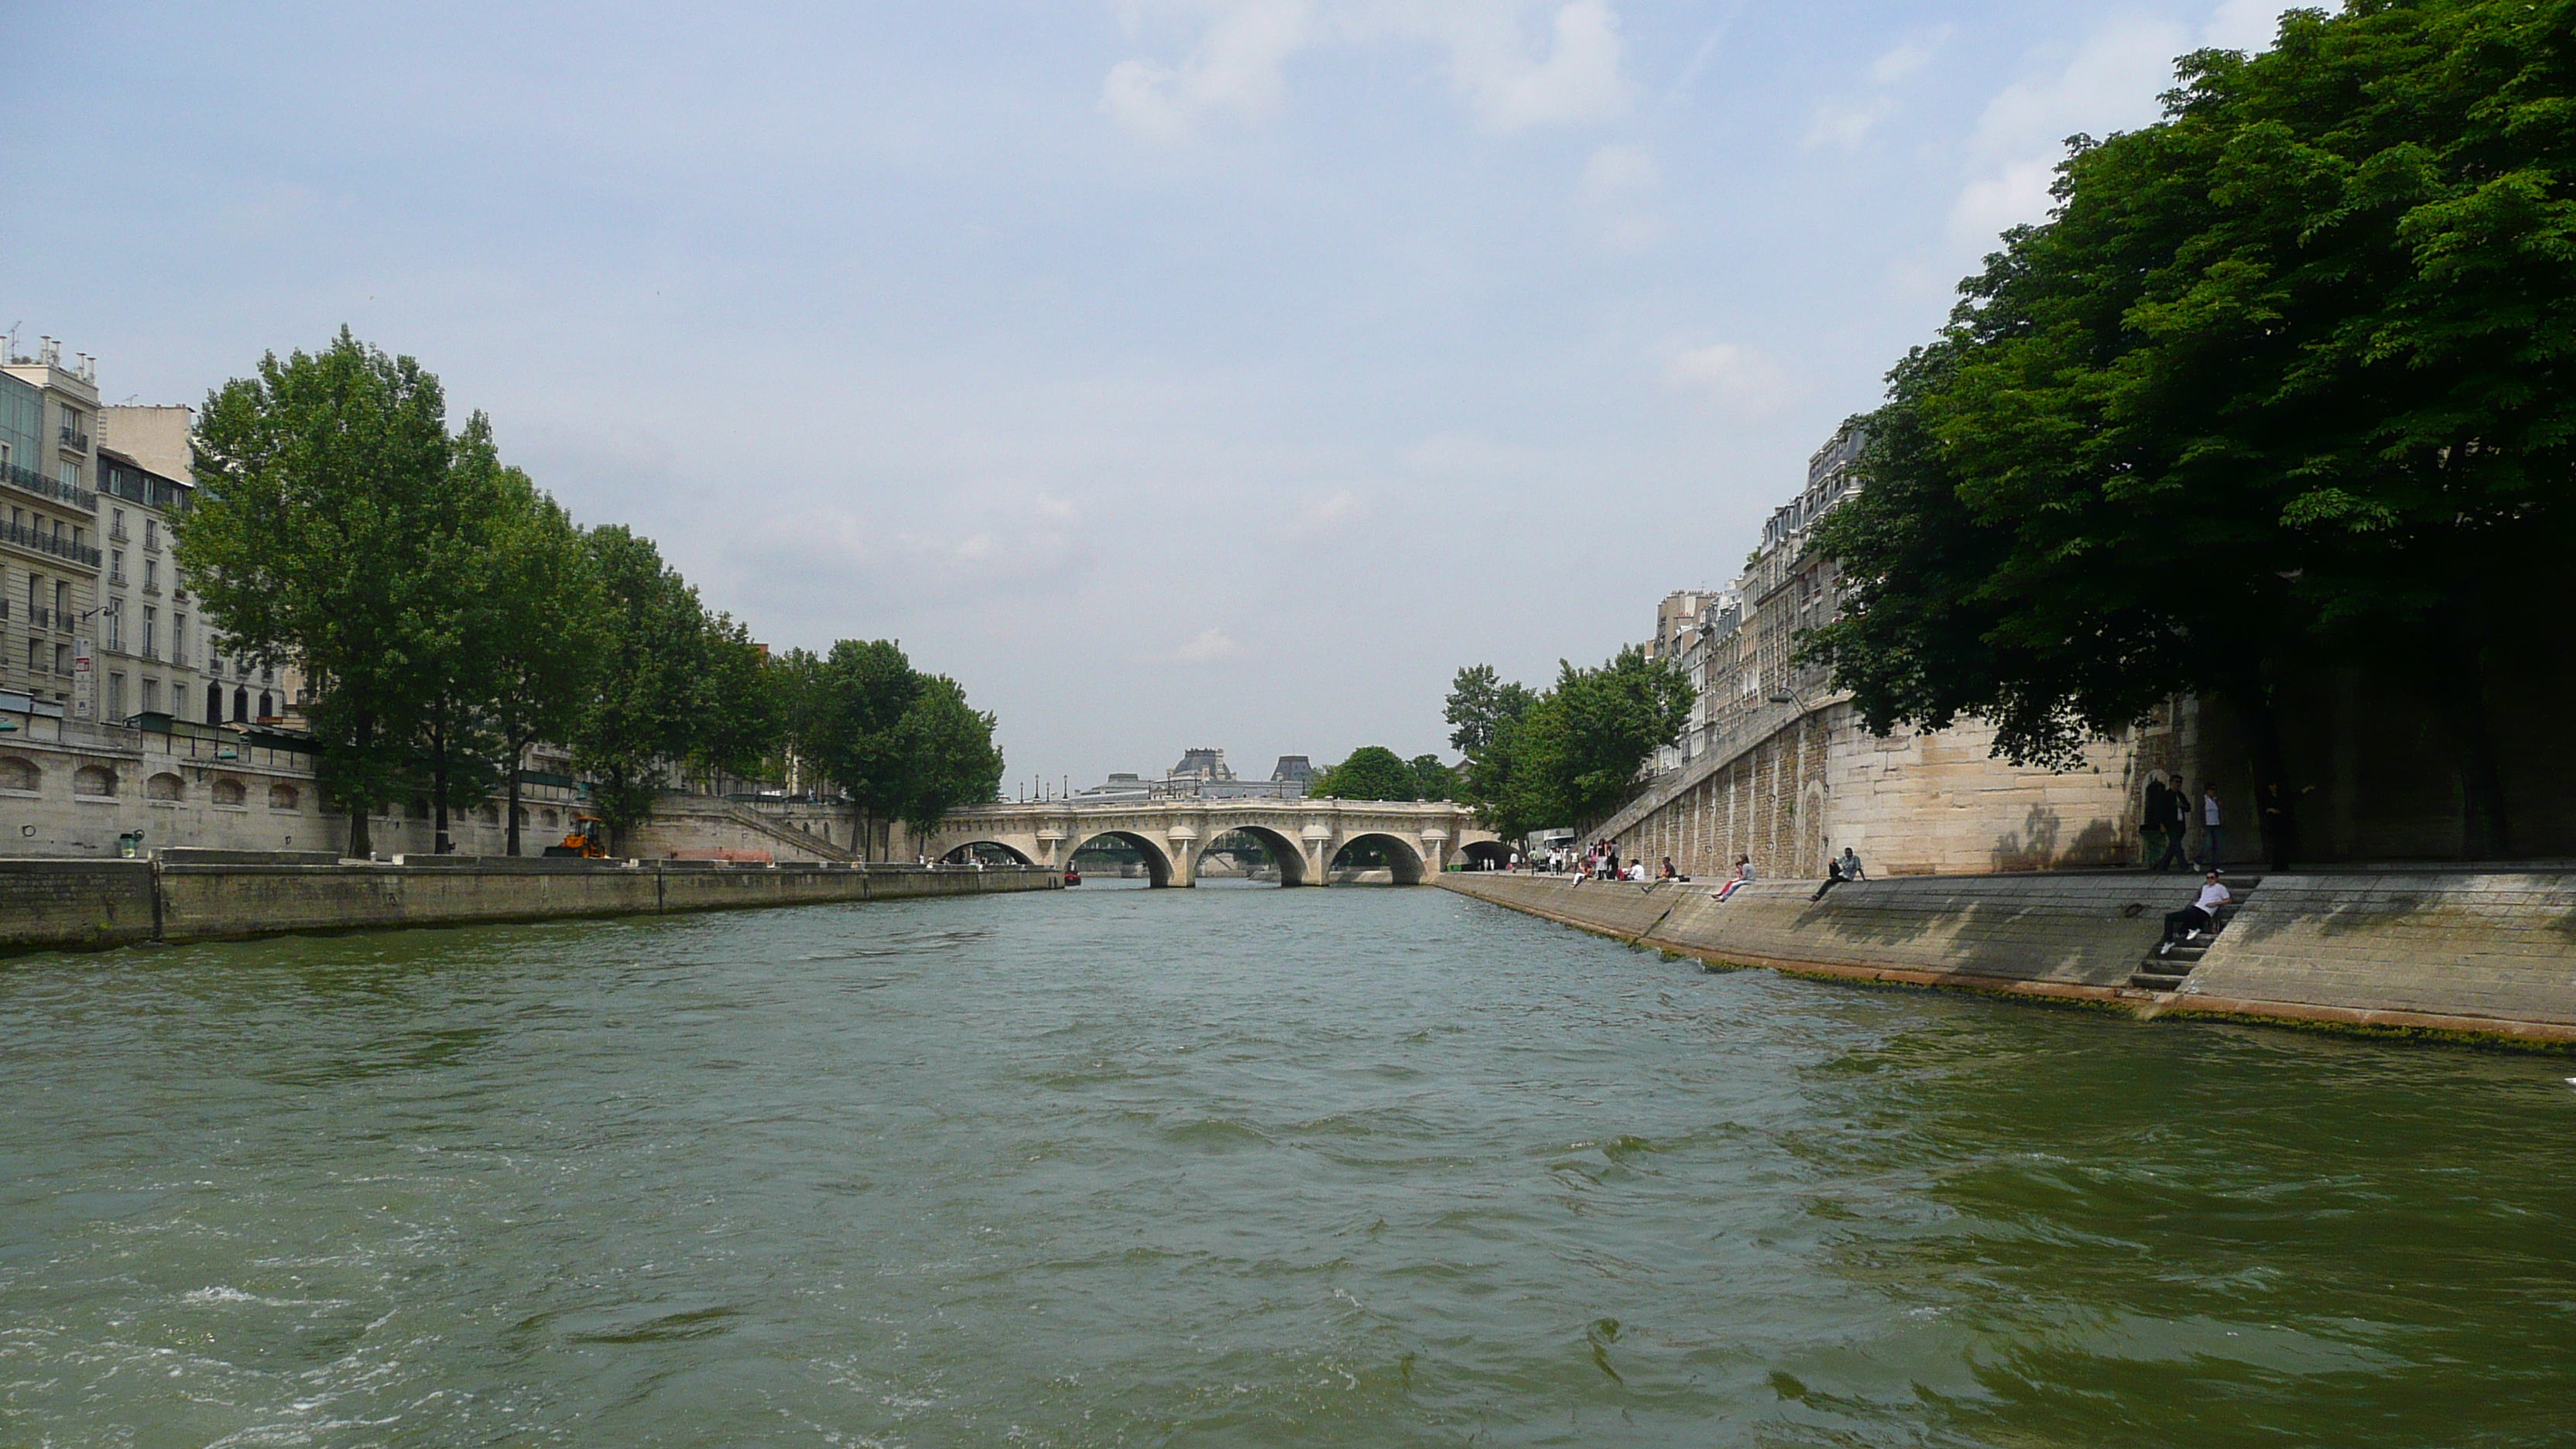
(1233, 1167)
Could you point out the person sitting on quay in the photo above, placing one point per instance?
(1670, 871)
(2184, 925)
(1845, 867)
(1743, 877)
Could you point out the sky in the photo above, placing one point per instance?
(1171, 373)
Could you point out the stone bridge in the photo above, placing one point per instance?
(1301, 837)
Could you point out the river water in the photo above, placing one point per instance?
(1233, 1166)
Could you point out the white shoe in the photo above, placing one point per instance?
(2165, 949)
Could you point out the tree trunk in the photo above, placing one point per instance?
(439, 843)
(2485, 822)
(361, 847)
(512, 794)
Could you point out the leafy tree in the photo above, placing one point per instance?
(738, 719)
(1479, 704)
(949, 754)
(544, 588)
(641, 719)
(1433, 780)
(316, 540)
(2284, 380)
(1373, 772)
(846, 723)
(1584, 746)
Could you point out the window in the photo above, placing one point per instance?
(116, 523)
(148, 641)
(115, 696)
(152, 576)
(215, 715)
(63, 660)
(151, 696)
(35, 657)
(151, 534)
(179, 639)
(70, 474)
(116, 567)
(62, 605)
(115, 618)
(5, 456)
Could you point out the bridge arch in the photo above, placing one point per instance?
(987, 848)
(1485, 855)
(1158, 865)
(1403, 860)
(1282, 851)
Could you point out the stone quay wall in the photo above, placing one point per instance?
(1793, 788)
(2488, 955)
(197, 895)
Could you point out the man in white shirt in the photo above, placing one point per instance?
(2182, 925)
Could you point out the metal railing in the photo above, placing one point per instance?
(39, 617)
(18, 475)
(26, 537)
(116, 581)
(74, 438)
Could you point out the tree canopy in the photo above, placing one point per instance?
(2283, 378)
(1373, 772)
(1574, 754)
(450, 615)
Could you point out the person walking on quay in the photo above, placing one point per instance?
(2151, 819)
(1743, 878)
(2177, 827)
(2211, 821)
(2199, 916)
(1845, 867)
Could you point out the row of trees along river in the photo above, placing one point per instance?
(448, 614)
(2284, 386)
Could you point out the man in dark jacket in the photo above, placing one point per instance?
(2177, 827)
(2151, 819)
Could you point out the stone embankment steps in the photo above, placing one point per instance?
(2167, 972)
(2463, 952)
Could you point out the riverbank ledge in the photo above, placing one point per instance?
(201, 895)
(2486, 955)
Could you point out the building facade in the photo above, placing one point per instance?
(49, 547)
(1775, 765)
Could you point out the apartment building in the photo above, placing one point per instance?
(49, 546)
(148, 650)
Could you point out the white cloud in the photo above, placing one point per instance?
(1209, 647)
(1511, 88)
(1739, 380)
(1906, 59)
(1509, 80)
(1848, 124)
(1236, 67)
(2243, 25)
(2110, 83)
(1620, 171)
(1615, 181)
(1327, 514)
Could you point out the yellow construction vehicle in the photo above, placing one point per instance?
(589, 839)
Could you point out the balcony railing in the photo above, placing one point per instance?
(39, 617)
(19, 476)
(152, 651)
(43, 542)
(118, 534)
(116, 581)
(74, 438)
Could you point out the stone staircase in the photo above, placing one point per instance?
(2168, 973)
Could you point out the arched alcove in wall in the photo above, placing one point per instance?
(1377, 850)
(991, 852)
(1255, 852)
(1158, 866)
